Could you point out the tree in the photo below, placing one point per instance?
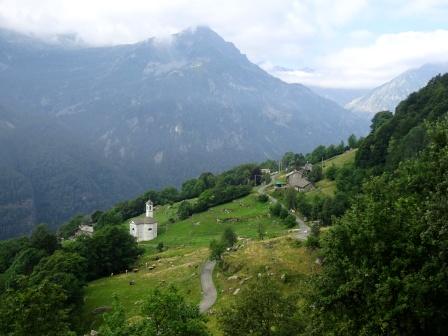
(217, 248)
(111, 250)
(331, 172)
(260, 309)
(229, 237)
(160, 247)
(9, 249)
(290, 221)
(66, 269)
(168, 314)
(263, 198)
(35, 311)
(380, 119)
(385, 259)
(291, 198)
(184, 210)
(352, 141)
(275, 209)
(316, 174)
(43, 239)
(115, 323)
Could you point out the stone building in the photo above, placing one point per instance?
(297, 180)
(144, 228)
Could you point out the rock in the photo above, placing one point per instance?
(236, 291)
(233, 277)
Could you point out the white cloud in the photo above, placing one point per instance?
(261, 28)
(330, 36)
(374, 64)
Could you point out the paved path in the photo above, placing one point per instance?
(208, 287)
(303, 230)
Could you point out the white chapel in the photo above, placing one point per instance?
(144, 228)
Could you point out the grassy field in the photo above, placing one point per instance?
(340, 160)
(281, 257)
(327, 187)
(186, 244)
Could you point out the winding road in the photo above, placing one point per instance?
(303, 229)
(209, 293)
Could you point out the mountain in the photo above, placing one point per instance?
(340, 96)
(95, 125)
(387, 96)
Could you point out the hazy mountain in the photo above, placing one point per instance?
(387, 96)
(113, 121)
(340, 96)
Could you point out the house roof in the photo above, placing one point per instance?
(144, 220)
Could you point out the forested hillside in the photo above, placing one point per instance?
(377, 265)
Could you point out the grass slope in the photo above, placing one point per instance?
(187, 248)
(325, 186)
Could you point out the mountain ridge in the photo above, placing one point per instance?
(159, 112)
(387, 96)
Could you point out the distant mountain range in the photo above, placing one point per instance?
(82, 127)
(387, 96)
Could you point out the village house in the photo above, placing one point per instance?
(265, 171)
(144, 228)
(297, 180)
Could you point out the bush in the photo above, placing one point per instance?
(216, 249)
(331, 172)
(229, 237)
(263, 198)
(290, 221)
(275, 209)
(283, 213)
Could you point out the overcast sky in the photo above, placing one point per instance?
(331, 43)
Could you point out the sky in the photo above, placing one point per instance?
(327, 43)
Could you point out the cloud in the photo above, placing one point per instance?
(345, 41)
(254, 25)
(372, 65)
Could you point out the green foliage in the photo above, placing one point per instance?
(35, 311)
(353, 141)
(290, 221)
(164, 312)
(316, 174)
(66, 269)
(263, 198)
(291, 198)
(69, 228)
(184, 210)
(9, 249)
(167, 314)
(217, 248)
(401, 136)
(275, 209)
(260, 309)
(43, 239)
(111, 250)
(385, 260)
(331, 172)
(160, 247)
(115, 323)
(229, 237)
